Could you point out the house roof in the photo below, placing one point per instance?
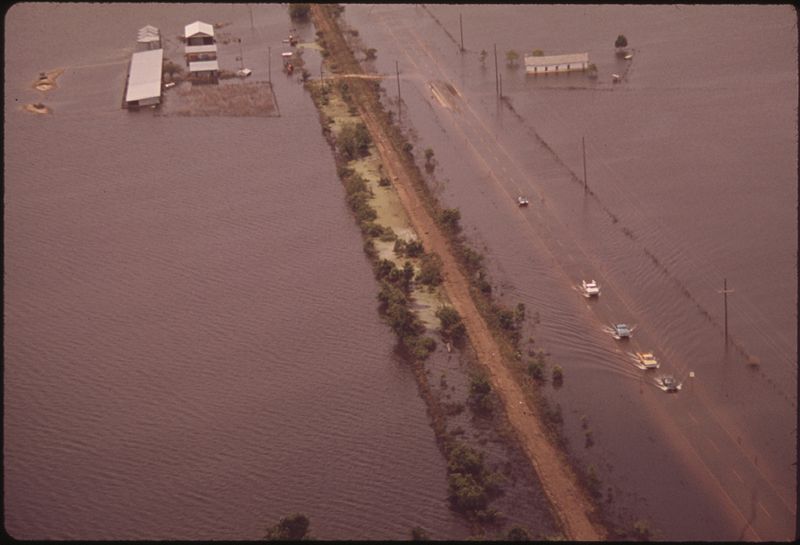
(198, 27)
(144, 80)
(202, 66)
(531, 60)
(209, 48)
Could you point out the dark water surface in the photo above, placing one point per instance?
(191, 343)
(692, 164)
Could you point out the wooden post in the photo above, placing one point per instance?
(496, 73)
(725, 291)
(461, 26)
(397, 70)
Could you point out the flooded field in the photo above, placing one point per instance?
(691, 167)
(192, 348)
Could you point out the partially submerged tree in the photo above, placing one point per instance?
(512, 58)
(621, 42)
(291, 528)
(299, 11)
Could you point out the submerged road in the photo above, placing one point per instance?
(698, 432)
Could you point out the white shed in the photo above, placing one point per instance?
(556, 63)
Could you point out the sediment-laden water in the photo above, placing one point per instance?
(691, 165)
(192, 348)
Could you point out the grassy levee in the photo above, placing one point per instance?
(465, 284)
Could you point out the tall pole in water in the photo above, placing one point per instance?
(269, 64)
(251, 16)
(500, 83)
(496, 84)
(397, 70)
(583, 145)
(725, 291)
(461, 26)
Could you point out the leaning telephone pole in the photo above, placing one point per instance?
(397, 70)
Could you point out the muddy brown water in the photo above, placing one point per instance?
(692, 166)
(191, 343)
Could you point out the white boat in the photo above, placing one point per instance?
(590, 289)
(522, 201)
(615, 78)
(244, 72)
(629, 56)
(647, 360)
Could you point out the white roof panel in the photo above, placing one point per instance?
(144, 80)
(198, 27)
(550, 60)
(211, 48)
(201, 66)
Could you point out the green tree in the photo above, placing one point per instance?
(430, 272)
(299, 11)
(353, 140)
(512, 58)
(419, 534)
(518, 533)
(451, 327)
(537, 53)
(449, 219)
(291, 528)
(558, 376)
(621, 41)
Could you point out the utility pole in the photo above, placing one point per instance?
(725, 291)
(269, 65)
(397, 70)
(500, 82)
(461, 26)
(585, 185)
(251, 17)
(496, 84)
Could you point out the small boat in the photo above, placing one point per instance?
(590, 289)
(615, 78)
(286, 54)
(629, 56)
(647, 360)
(244, 72)
(169, 85)
(668, 383)
(621, 331)
(522, 201)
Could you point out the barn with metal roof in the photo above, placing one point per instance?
(556, 63)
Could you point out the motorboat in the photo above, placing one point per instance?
(628, 57)
(669, 383)
(590, 289)
(244, 72)
(647, 360)
(621, 331)
(522, 201)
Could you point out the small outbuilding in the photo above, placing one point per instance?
(149, 37)
(553, 64)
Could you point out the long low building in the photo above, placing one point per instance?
(144, 79)
(556, 63)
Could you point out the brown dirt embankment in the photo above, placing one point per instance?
(569, 501)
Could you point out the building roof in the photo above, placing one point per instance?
(198, 27)
(148, 30)
(531, 60)
(202, 66)
(144, 79)
(210, 48)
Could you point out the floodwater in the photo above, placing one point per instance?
(190, 349)
(691, 165)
